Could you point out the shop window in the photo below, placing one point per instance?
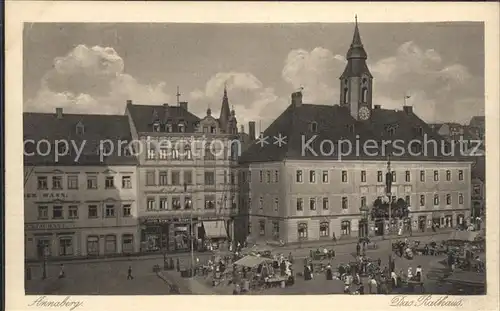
(65, 246)
(262, 227)
(345, 227)
(324, 229)
(128, 243)
(110, 244)
(300, 204)
(92, 245)
(302, 231)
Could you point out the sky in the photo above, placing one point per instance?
(94, 67)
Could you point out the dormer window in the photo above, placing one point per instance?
(168, 128)
(156, 127)
(391, 129)
(213, 130)
(350, 128)
(182, 127)
(313, 126)
(80, 129)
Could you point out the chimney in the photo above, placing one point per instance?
(251, 130)
(377, 106)
(408, 109)
(59, 113)
(183, 105)
(129, 102)
(297, 99)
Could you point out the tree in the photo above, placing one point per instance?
(399, 209)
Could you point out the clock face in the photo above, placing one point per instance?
(364, 113)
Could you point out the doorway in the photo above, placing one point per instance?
(379, 227)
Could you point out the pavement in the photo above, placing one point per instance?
(109, 276)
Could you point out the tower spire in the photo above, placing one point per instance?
(356, 38)
(225, 112)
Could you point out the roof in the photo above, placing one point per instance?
(476, 119)
(251, 261)
(96, 129)
(144, 116)
(334, 124)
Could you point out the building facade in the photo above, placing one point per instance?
(320, 183)
(78, 205)
(188, 181)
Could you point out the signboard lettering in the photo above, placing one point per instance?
(46, 195)
(49, 226)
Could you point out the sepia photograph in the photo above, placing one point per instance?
(255, 158)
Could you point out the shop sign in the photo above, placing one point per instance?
(46, 195)
(49, 226)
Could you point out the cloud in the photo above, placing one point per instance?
(92, 80)
(439, 91)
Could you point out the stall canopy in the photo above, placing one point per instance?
(468, 236)
(215, 229)
(251, 261)
(260, 248)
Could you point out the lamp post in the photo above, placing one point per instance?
(191, 233)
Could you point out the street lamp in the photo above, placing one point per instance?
(191, 233)
(364, 218)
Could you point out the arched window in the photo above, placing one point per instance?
(302, 231)
(364, 95)
(345, 95)
(324, 229)
(345, 227)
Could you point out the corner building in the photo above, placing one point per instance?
(78, 207)
(305, 191)
(188, 183)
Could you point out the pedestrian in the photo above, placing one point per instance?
(334, 238)
(61, 271)
(379, 262)
(178, 265)
(358, 249)
(129, 274)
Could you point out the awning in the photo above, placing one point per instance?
(215, 229)
(251, 261)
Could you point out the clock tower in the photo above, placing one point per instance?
(356, 81)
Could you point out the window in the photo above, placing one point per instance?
(408, 200)
(363, 176)
(110, 210)
(276, 204)
(268, 177)
(344, 176)
(110, 244)
(163, 153)
(448, 199)
(151, 155)
(42, 183)
(181, 127)
(176, 203)
(298, 176)
(448, 175)
(156, 127)
(300, 204)
(345, 227)
(276, 229)
(163, 176)
(380, 176)
(261, 203)
(324, 229)
(225, 177)
(422, 176)
(209, 178)
(460, 175)
(345, 203)
(326, 203)
(43, 212)
(209, 201)
(188, 203)
(91, 182)
(93, 245)
(312, 204)
(80, 129)
(126, 182)
(324, 177)
(151, 204)
(176, 178)
(188, 177)
(127, 210)
(213, 130)
(175, 154)
(436, 175)
(312, 176)
(109, 182)
(92, 211)
(261, 176)
(57, 182)
(262, 227)
(57, 212)
(363, 201)
(73, 212)
(394, 175)
(209, 154)
(345, 95)
(364, 95)
(232, 178)
(460, 198)
(65, 246)
(436, 199)
(73, 182)
(407, 176)
(163, 203)
(127, 243)
(276, 176)
(302, 230)
(313, 126)
(422, 200)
